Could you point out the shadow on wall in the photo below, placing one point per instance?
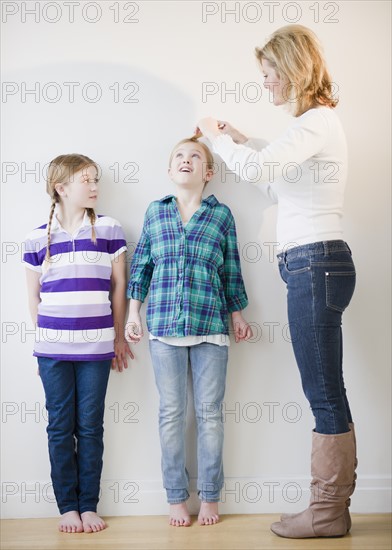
(127, 121)
(124, 118)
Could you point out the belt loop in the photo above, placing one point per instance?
(326, 248)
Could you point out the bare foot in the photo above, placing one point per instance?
(92, 523)
(70, 522)
(208, 514)
(179, 515)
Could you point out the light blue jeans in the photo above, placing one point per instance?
(208, 364)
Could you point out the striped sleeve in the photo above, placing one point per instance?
(35, 249)
(114, 235)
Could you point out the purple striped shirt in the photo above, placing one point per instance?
(75, 321)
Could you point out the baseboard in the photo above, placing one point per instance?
(239, 496)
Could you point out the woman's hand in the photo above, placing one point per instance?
(210, 128)
(242, 331)
(122, 351)
(228, 129)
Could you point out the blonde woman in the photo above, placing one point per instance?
(305, 171)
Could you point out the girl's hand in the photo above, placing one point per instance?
(210, 128)
(133, 328)
(242, 331)
(122, 351)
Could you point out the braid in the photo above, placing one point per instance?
(93, 217)
(47, 256)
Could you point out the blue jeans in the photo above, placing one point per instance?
(75, 400)
(208, 364)
(320, 279)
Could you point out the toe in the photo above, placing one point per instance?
(277, 528)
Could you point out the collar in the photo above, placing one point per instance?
(56, 225)
(211, 200)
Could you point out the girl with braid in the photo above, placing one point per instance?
(76, 285)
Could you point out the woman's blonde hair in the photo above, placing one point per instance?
(296, 55)
(210, 165)
(61, 170)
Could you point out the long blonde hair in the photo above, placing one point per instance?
(296, 55)
(61, 170)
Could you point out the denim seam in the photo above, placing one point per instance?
(317, 347)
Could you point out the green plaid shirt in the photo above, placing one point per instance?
(193, 272)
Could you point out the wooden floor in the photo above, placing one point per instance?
(234, 532)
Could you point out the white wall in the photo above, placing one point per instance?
(170, 53)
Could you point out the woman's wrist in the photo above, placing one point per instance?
(240, 139)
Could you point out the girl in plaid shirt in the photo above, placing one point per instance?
(187, 257)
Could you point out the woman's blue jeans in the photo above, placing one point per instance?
(75, 400)
(208, 364)
(320, 279)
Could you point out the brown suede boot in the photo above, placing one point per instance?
(333, 464)
(348, 501)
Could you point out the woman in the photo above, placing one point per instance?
(305, 171)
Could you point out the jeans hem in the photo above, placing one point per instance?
(88, 509)
(211, 496)
(177, 501)
(69, 508)
(177, 496)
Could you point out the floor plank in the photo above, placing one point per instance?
(234, 532)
